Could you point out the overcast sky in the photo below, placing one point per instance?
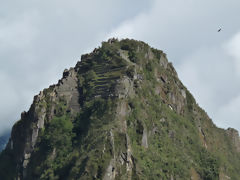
(40, 38)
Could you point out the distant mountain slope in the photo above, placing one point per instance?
(121, 113)
(4, 139)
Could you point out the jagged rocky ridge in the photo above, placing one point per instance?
(120, 113)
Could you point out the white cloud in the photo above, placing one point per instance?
(233, 49)
(229, 113)
(16, 34)
(9, 100)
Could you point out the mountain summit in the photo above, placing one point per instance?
(121, 113)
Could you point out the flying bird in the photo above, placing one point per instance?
(219, 29)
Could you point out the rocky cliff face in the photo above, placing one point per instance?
(45, 106)
(120, 113)
(233, 134)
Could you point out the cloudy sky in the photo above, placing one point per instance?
(40, 38)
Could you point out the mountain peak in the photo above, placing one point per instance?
(120, 113)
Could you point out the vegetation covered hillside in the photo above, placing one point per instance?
(121, 113)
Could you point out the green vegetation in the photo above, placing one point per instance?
(170, 151)
(208, 165)
(7, 165)
(190, 101)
